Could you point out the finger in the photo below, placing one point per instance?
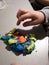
(24, 17)
(29, 23)
(20, 12)
(15, 64)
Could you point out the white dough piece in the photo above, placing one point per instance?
(22, 27)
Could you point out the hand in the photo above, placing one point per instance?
(15, 64)
(36, 17)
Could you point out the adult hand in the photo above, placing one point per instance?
(36, 17)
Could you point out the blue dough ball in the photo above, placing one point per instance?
(17, 47)
(5, 37)
(20, 47)
(28, 42)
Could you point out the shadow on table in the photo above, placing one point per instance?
(16, 52)
(38, 31)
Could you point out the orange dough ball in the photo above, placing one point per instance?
(22, 39)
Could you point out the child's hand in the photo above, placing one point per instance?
(15, 64)
(36, 17)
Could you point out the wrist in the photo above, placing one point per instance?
(43, 17)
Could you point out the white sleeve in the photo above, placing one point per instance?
(45, 10)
